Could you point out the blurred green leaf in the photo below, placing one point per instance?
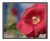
(12, 28)
(22, 35)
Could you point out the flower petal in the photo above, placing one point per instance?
(41, 27)
(30, 34)
(27, 27)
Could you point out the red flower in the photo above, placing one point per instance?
(14, 11)
(33, 21)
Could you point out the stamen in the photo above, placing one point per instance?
(36, 20)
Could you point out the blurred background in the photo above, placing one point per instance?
(9, 17)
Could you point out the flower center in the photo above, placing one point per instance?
(36, 20)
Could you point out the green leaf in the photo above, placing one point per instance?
(21, 36)
(12, 28)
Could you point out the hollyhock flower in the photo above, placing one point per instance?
(33, 21)
(14, 11)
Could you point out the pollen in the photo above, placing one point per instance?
(36, 20)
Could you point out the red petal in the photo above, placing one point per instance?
(35, 34)
(43, 31)
(27, 27)
(30, 34)
(39, 9)
(41, 27)
(19, 25)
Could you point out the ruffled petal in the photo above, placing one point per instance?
(41, 27)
